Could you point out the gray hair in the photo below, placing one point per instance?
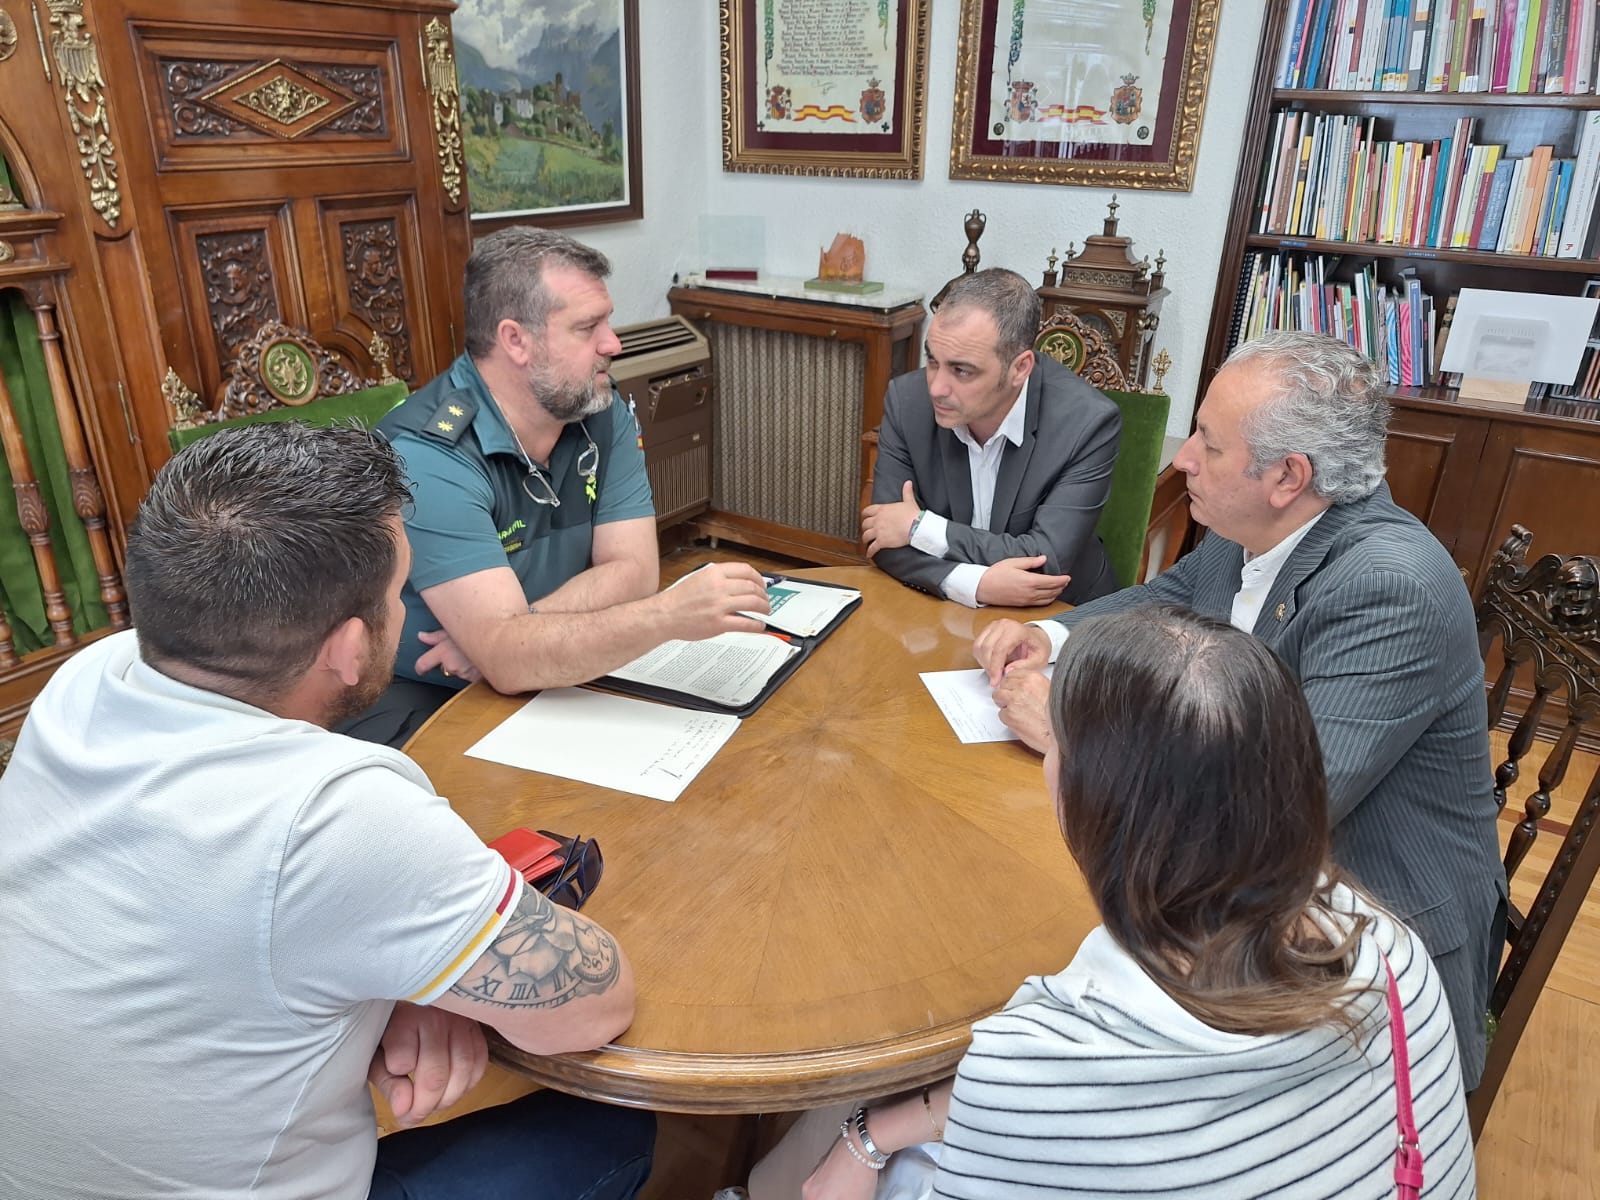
(505, 280)
(1329, 405)
(1008, 298)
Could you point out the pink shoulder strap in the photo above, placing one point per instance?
(1408, 1156)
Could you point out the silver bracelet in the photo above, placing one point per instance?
(877, 1156)
(844, 1136)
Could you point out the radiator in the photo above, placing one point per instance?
(788, 428)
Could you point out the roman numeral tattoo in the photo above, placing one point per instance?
(543, 957)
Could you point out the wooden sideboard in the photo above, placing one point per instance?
(1470, 470)
(798, 384)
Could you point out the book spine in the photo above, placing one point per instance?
(1532, 39)
(1289, 51)
(1538, 179)
(1558, 209)
(1480, 203)
(1585, 181)
(1471, 48)
(1499, 192)
(1371, 46)
(1458, 43)
(1510, 53)
(1441, 186)
(1269, 181)
(1319, 35)
(1417, 50)
(1583, 81)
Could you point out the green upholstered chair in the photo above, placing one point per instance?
(1125, 519)
(283, 374)
(1079, 346)
(368, 406)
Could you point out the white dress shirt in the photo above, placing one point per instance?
(1256, 577)
(983, 461)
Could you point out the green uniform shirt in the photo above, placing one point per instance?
(470, 511)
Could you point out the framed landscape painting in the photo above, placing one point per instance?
(550, 110)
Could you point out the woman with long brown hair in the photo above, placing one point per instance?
(1232, 1027)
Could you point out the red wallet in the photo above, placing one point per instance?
(532, 855)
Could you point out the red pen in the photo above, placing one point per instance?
(782, 637)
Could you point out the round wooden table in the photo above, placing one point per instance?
(831, 904)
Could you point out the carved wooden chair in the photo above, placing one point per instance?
(1547, 617)
(284, 374)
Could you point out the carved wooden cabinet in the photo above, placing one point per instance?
(1470, 471)
(186, 171)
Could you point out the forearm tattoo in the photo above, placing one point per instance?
(542, 958)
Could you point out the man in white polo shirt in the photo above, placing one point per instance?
(1308, 551)
(220, 920)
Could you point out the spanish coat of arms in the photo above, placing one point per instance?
(1024, 102)
(778, 103)
(873, 102)
(1127, 101)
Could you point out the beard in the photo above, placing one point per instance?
(568, 399)
(377, 670)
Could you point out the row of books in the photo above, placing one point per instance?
(1399, 326)
(1330, 176)
(1395, 326)
(1545, 47)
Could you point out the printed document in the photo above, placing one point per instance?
(801, 608)
(729, 669)
(612, 741)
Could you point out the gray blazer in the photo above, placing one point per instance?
(1371, 615)
(1047, 497)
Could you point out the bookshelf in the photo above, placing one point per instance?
(1469, 469)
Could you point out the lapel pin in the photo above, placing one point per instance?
(1280, 612)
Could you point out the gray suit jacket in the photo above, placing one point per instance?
(1371, 615)
(1047, 497)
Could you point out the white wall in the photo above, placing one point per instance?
(913, 229)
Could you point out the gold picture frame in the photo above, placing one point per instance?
(1059, 113)
(767, 126)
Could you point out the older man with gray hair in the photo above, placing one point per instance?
(1308, 551)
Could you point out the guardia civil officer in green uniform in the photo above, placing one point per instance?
(533, 534)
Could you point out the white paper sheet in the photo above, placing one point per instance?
(803, 608)
(967, 702)
(612, 741)
(730, 668)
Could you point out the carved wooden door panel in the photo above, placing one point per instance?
(290, 160)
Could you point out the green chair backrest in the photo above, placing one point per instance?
(1125, 519)
(368, 406)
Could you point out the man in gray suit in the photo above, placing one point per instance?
(1308, 551)
(993, 462)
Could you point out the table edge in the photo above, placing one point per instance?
(678, 1081)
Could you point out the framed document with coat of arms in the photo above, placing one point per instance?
(824, 87)
(1102, 93)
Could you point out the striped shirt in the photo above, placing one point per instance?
(1094, 1082)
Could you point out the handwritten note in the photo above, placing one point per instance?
(611, 741)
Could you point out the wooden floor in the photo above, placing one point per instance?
(1542, 1141)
